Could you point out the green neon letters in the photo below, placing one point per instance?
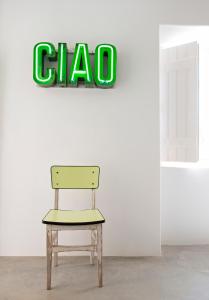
(109, 79)
(41, 77)
(104, 74)
(81, 67)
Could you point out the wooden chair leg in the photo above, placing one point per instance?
(49, 257)
(56, 243)
(99, 254)
(93, 242)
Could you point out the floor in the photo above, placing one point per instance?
(182, 273)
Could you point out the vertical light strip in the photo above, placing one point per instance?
(62, 64)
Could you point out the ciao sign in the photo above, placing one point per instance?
(48, 73)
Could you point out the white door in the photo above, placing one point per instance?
(179, 103)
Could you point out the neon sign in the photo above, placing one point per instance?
(102, 75)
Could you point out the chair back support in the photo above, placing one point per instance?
(75, 177)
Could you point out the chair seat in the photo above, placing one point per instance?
(73, 217)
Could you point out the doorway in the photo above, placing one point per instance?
(184, 137)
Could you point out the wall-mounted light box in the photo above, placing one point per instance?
(102, 74)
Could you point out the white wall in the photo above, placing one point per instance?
(185, 205)
(117, 129)
(41, 127)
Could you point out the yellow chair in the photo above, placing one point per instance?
(74, 177)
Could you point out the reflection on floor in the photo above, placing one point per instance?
(182, 273)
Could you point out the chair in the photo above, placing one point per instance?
(74, 177)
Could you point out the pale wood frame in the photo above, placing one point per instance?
(53, 248)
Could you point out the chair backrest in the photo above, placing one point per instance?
(75, 177)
